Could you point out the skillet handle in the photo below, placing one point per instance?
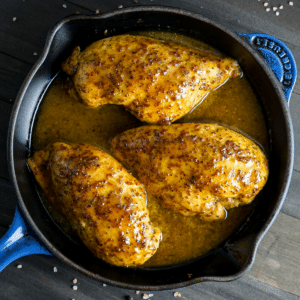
(278, 56)
(18, 242)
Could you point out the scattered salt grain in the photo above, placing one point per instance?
(54, 269)
(145, 296)
(35, 53)
(64, 6)
(176, 294)
(268, 9)
(19, 266)
(291, 3)
(277, 13)
(120, 6)
(266, 4)
(14, 19)
(75, 287)
(137, 292)
(97, 11)
(274, 8)
(104, 284)
(281, 7)
(75, 280)
(151, 295)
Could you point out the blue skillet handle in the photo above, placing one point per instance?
(18, 242)
(278, 56)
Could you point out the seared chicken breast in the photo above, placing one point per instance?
(104, 204)
(157, 81)
(192, 169)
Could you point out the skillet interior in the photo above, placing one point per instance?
(231, 259)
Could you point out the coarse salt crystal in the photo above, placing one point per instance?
(274, 8)
(291, 3)
(120, 6)
(14, 19)
(75, 287)
(137, 292)
(64, 6)
(104, 284)
(277, 13)
(281, 7)
(54, 269)
(145, 296)
(268, 9)
(75, 280)
(177, 294)
(97, 11)
(266, 4)
(19, 266)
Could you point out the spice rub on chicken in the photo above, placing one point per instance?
(104, 204)
(201, 169)
(157, 81)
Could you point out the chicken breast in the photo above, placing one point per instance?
(192, 169)
(157, 81)
(104, 204)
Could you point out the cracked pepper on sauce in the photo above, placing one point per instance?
(234, 104)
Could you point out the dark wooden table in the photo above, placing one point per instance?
(23, 28)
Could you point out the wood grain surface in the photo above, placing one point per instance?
(24, 25)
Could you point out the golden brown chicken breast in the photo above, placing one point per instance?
(104, 204)
(194, 168)
(157, 81)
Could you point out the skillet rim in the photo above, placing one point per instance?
(286, 114)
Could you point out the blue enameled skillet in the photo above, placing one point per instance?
(270, 68)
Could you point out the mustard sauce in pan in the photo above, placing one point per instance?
(61, 118)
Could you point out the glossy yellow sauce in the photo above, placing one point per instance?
(61, 118)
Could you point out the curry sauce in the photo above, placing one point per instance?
(234, 104)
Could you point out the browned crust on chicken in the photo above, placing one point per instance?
(194, 168)
(104, 204)
(157, 81)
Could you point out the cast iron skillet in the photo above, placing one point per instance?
(234, 257)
